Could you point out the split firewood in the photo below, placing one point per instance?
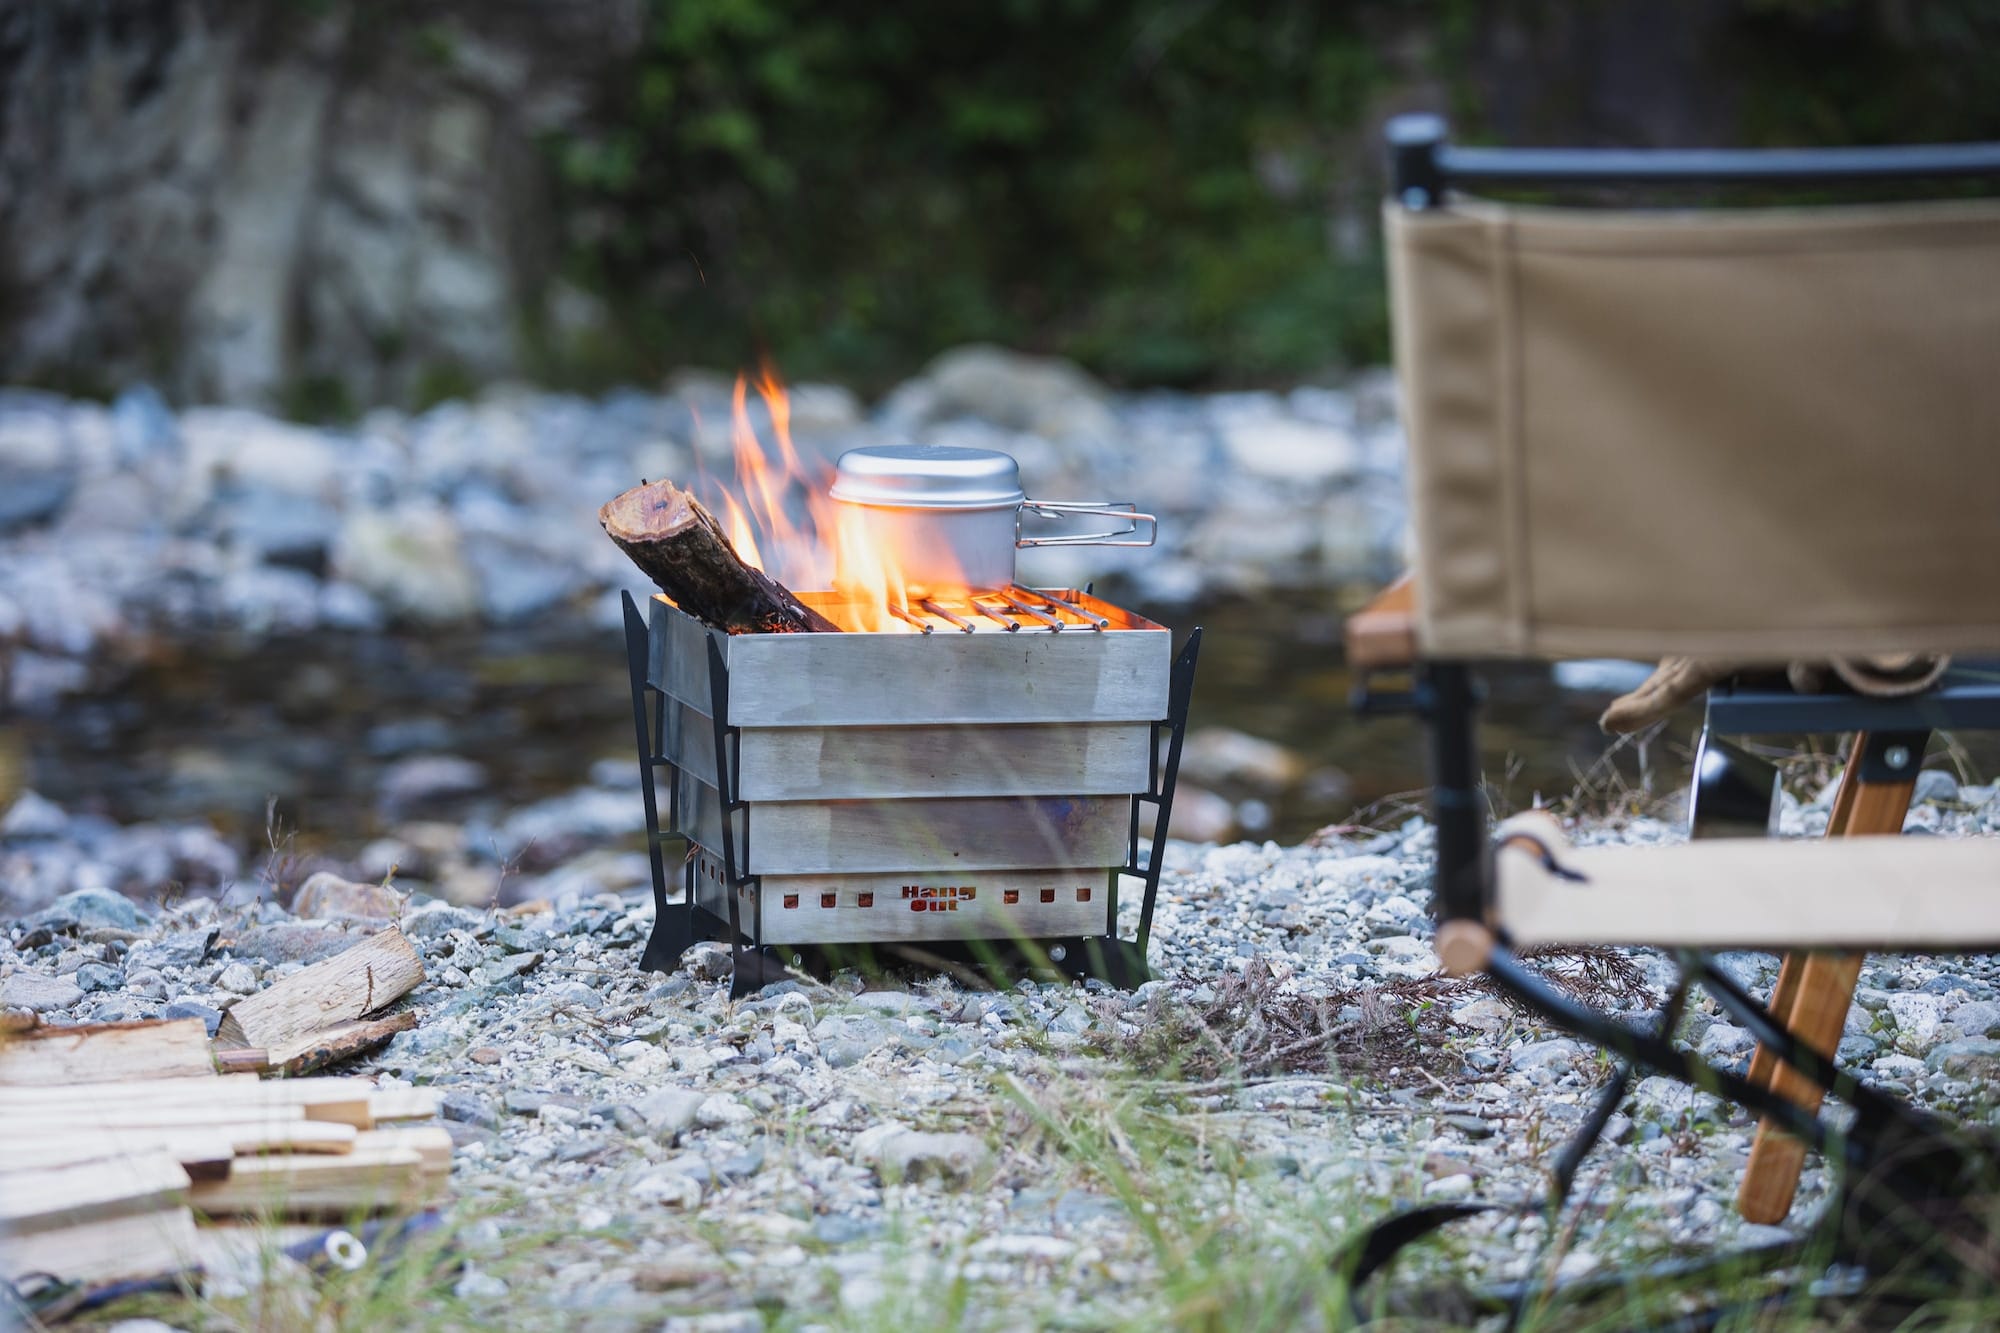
(43, 1199)
(181, 1101)
(107, 1052)
(143, 1244)
(352, 984)
(343, 1041)
(677, 543)
(340, 1186)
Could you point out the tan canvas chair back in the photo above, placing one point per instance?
(1755, 434)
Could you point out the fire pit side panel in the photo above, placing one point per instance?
(831, 680)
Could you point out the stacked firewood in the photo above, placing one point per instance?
(116, 1138)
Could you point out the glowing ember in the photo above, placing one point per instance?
(832, 547)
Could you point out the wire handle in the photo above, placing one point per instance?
(1135, 523)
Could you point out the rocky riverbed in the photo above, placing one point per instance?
(910, 1153)
(126, 525)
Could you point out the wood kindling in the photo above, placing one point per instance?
(107, 1052)
(677, 543)
(356, 982)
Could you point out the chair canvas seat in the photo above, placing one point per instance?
(1888, 892)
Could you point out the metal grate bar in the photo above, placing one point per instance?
(1090, 618)
(908, 619)
(1054, 623)
(999, 618)
(932, 608)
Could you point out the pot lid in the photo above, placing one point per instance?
(927, 476)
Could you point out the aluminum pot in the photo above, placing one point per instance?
(952, 517)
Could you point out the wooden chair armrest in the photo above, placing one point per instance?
(1383, 634)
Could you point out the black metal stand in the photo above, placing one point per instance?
(680, 925)
(1915, 1195)
(1916, 1192)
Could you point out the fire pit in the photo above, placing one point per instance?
(970, 792)
(926, 761)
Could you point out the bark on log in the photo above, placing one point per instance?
(344, 1042)
(353, 983)
(677, 544)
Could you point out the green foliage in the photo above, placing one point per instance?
(1154, 187)
(1147, 187)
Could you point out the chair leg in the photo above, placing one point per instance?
(1812, 998)
(1763, 1064)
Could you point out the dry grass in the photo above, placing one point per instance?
(1254, 1026)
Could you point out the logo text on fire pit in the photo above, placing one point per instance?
(938, 897)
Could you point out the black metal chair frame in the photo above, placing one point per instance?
(1899, 1162)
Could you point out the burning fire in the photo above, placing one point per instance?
(832, 547)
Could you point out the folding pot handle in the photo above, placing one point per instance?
(1129, 535)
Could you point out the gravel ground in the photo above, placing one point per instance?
(637, 1150)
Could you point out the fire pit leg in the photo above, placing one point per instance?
(673, 931)
(1123, 962)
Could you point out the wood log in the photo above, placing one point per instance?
(204, 1151)
(322, 1186)
(107, 1052)
(355, 982)
(40, 1199)
(677, 543)
(338, 1043)
(404, 1104)
(228, 1097)
(431, 1143)
(141, 1245)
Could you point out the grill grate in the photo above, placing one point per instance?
(1009, 610)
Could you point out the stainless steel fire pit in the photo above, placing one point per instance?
(969, 791)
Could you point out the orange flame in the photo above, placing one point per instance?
(833, 548)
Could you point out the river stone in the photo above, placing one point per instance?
(38, 471)
(411, 560)
(1976, 1018)
(238, 977)
(328, 896)
(1934, 784)
(422, 781)
(210, 1018)
(1969, 1058)
(1043, 395)
(469, 1109)
(291, 942)
(98, 977)
(1289, 451)
(32, 990)
(91, 909)
(668, 1187)
(1918, 1017)
(1557, 1053)
(669, 1112)
(900, 1154)
(1725, 1042)
(708, 961)
(1216, 755)
(33, 816)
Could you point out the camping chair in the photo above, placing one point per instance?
(1755, 435)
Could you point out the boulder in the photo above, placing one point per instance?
(327, 896)
(38, 473)
(33, 817)
(1043, 395)
(410, 559)
(422, 781)
(1216, 755)
(1285, 449)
